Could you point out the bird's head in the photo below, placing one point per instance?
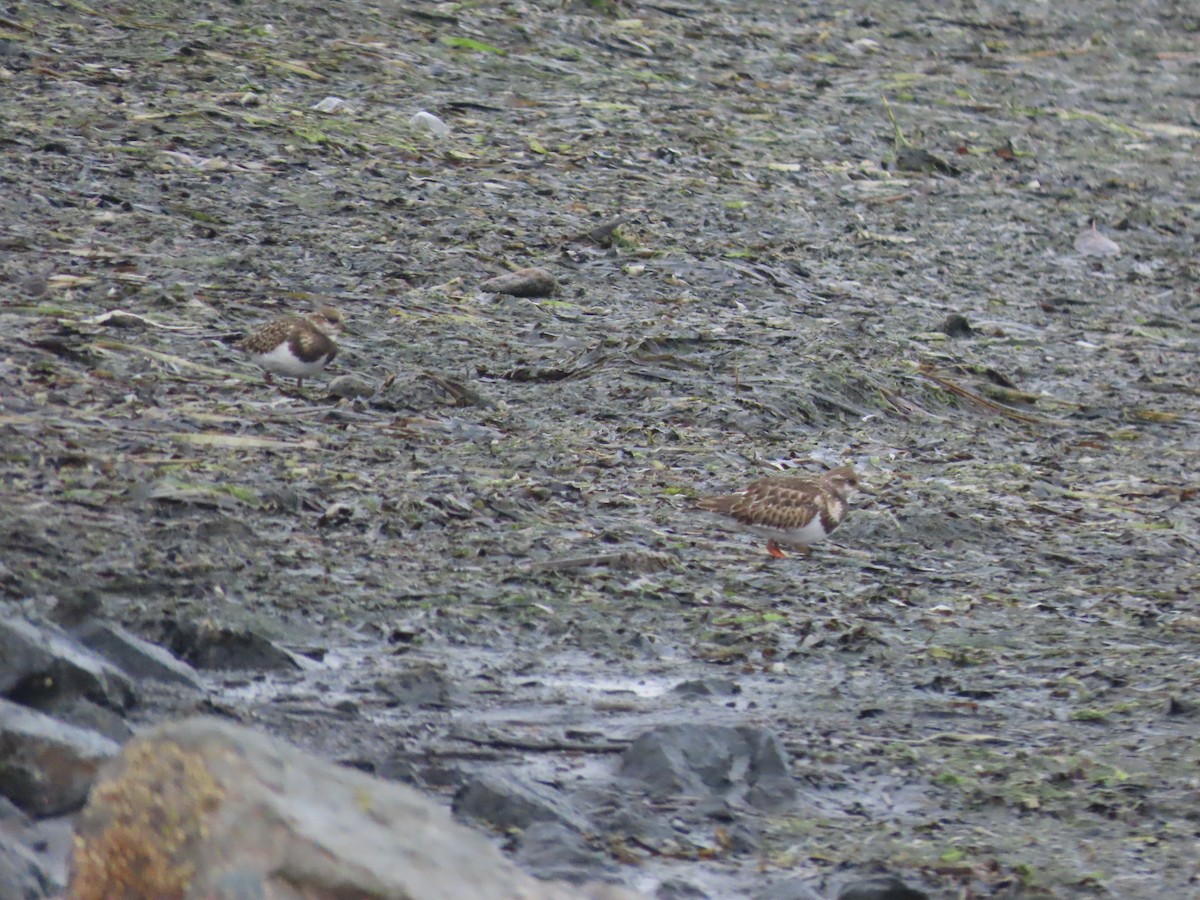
(842, 480)
(328, 319)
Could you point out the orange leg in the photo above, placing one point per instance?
(773, 549)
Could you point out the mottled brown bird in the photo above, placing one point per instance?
(789, 510)
(296, 346)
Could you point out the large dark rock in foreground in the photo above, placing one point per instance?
(47, 766)
(40, 662)
(204, 808)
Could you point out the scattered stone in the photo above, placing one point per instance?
(678, 889)
(48, 766)
(916, 159)
(430, 123)
(956, 325)
(1177, 706)
(209, 646)
(330, 105)
(612, 810)
(70, 609)
(83, 713)
(424, 686)
(41, 663)
(881, 887)
(352, 387)
(551, 850)
(743, 764)
(36, 284)
(22, 876)
(708, 687)
(12, 819)
(505, 801)
(253, 817)
(787, 887)
(137, 657)
(532, 282)
(418, 770)
(1091, 242)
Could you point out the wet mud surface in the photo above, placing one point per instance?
(985, 683)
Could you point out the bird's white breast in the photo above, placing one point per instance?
(811, 533)
(282, 361)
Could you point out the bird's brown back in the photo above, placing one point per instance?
(304, 339)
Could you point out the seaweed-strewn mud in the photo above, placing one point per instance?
(986, 682)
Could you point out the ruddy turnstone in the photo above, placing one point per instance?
(783, 509)
(296, 346)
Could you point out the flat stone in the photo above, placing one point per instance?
(83, 713)
(351, 387)
(708, 687)
(40, 662)
(551, 850)
(208, 646)
(425, 686)
(137, 657)
(48, 766)
(881, 887)
(506, 801)
(711, 762)
(22, 877)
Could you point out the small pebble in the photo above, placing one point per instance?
(330, 105)
(956, 325)
(35, 285)
(430, 123)
(351, 387)
(1092, 243)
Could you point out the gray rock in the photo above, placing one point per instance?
(881, 887)
(12, 819)
(40, 662)
(955, 325)
(47, 766)
(551, 850)
(708, 687)
(787, 887)
(678, 889)
(505, 801)
(711, 761)
(253, 817)
(429, 122)
(83, 713)
(423, 686)
(209, 646)
(137, 657)
(351, 387)
(21, 875)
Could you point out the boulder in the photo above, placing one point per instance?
(47, 766)
(203, 808)
(712, 762)
(41, 662)
(137, 657)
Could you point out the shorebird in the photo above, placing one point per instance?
(789, 510)
(295, 346)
